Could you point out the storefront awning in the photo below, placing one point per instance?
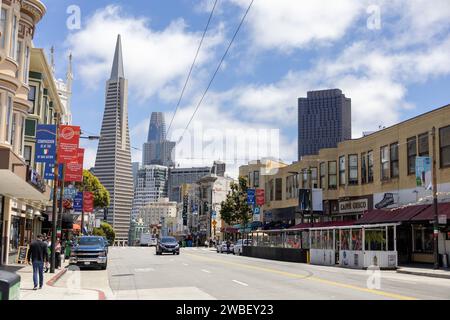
(15, 187)
(428, 213)
(323, 224)
(393, 215)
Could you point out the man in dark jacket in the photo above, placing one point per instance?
(38, 255)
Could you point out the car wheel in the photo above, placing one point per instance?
(178, 253)
(174, 253)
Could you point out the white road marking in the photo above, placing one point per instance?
(206, 271)
(144, 270)
(185, 264)
(241, 283)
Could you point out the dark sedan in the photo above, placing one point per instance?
(167, 245)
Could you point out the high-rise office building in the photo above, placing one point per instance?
(158, 150)
(324, 120)
(151, 186)
(113, 162)
(180, 176)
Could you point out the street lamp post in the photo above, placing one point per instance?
(435, 203)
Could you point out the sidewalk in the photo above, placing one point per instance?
(425, 271)
(49, 291)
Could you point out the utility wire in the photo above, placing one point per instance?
(192, 66)
(217, 70)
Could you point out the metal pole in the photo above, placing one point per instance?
(55, 200)
(311, 209)
(61, 196)
(435, 204)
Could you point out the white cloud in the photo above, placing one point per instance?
(153, 59)
(289, 24)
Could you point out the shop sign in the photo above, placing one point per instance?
(353, 206)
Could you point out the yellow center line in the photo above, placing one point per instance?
(306, 277)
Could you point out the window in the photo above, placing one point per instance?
(370, 166)
(423, 145)
(305, 179)
(384, 161)
(353, 169)
(271, 195)
(12, 140)
(22, 133)
(30, 127)
(9, 115)
(314, 178)
(363, 168)
(13, 51)
(323, 168)
(27, 154)
(342, 170)
(412, 153)
(250, 179)
(3, 19)
(394, 160)
(444, 146)
(423, 239)
(18, 55)
(332, 176)
(278, 189)
(256, 179)
(26, 65)
(32, 97)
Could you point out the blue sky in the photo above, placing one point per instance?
(391, 57)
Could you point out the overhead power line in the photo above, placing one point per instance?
(192, 66)
(217, 70)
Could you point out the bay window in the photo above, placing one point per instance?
(3, 21)
(9, 115)
(13, 52)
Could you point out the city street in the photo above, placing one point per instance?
(201, 273)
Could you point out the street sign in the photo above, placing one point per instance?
(251, 196)
(45, 143)
(256, 210)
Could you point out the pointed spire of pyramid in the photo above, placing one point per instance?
(117, 68)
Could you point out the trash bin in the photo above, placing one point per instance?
(9, 286)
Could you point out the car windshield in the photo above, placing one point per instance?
(90, 241)
(168, 240)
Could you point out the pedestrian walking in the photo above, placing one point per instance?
(38, 255)
(58, 255)
(228, 246)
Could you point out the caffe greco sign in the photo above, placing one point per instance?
(353, 206)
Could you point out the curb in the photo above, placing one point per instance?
(55, 278)
(431, 275)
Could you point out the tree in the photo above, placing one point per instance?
(235, 208)
(92, 184)
(105, 230)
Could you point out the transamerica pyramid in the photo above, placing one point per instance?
(113, 162)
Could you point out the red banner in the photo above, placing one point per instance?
(69, 139)
(260, 197)
(74, 169)
(88, 201)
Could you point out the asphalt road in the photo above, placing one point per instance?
(197, 274)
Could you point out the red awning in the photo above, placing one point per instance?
(323, 224)
(428, 214)
(392, 215)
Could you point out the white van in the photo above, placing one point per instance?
(148, 240)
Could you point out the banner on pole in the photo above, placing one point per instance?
(69, 139)
(260, 197)
(78, 202)
(45, 143)
(88, 201)
(74, 169)
(423, 172)
(49, 173)
(251, 196)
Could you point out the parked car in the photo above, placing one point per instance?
(239, 244)
(222, 247)
(90, 251)
(167, 245)
(148, 240)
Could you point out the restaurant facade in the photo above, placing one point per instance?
(372, 180)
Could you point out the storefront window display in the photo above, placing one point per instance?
(345, 239)
(357, 240)
(293, 240)
(14, 235)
